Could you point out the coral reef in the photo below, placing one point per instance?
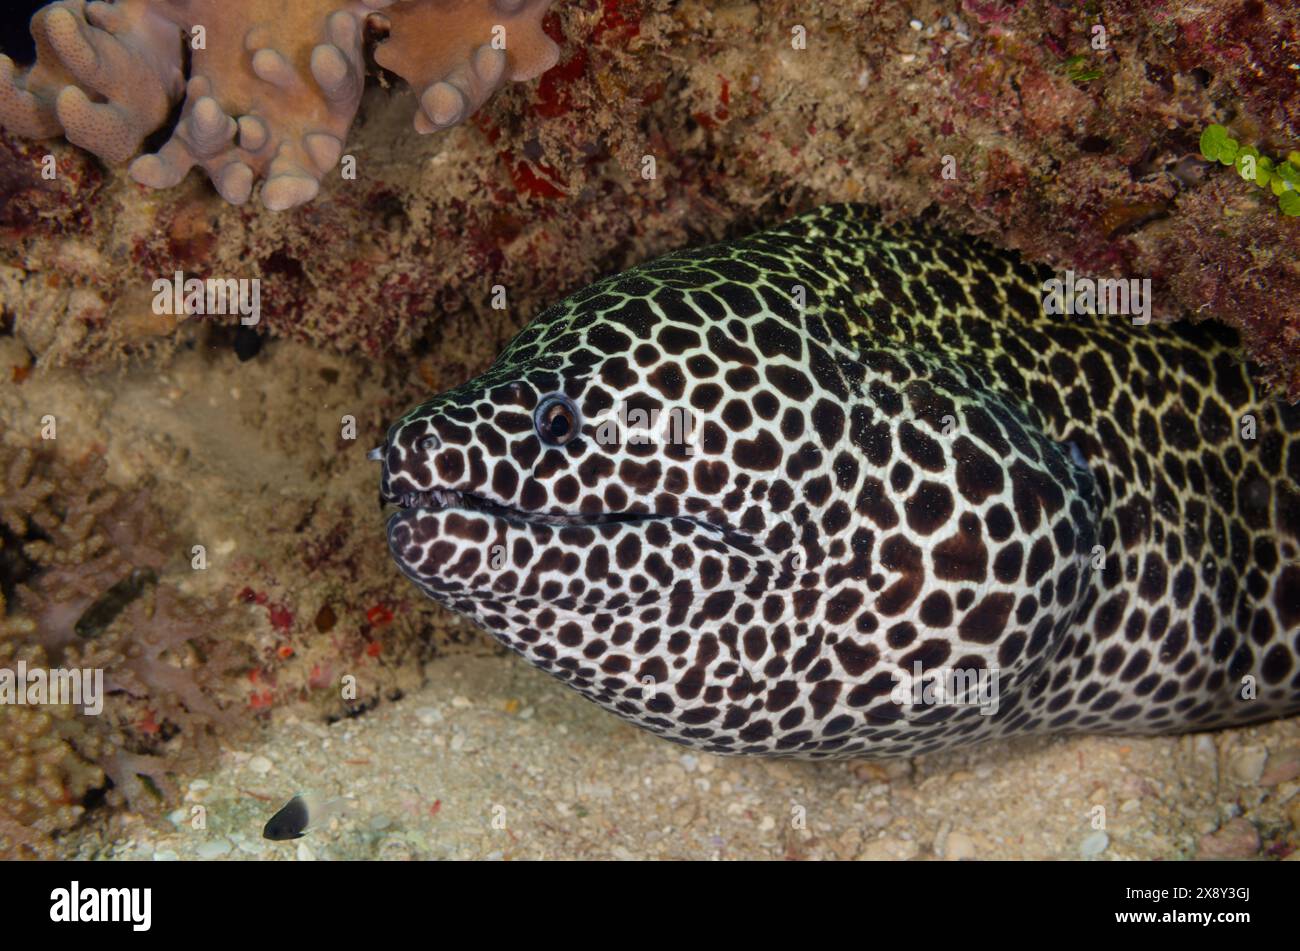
(311, 597)
(129, 61)
(47, 767)
(384, 292)
(1092, 166)
(319, 601)
(91, 581)
(273, 87)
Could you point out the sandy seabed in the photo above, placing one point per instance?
(494, 760)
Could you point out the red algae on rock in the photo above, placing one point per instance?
(550, 185)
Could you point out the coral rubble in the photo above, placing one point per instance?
(273, 85)
(68, 539)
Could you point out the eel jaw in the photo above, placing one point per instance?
(439, 499)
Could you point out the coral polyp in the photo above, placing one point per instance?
(273, 86)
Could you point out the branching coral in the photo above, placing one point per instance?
(273, 85)
(120, 55)
(420, 55)
(47, 765)
(67, 541)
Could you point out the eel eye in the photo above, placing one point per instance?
(556, 420)
(428, 443)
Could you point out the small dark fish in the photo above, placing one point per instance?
(96, 618)
(289, 823)
(299, 816)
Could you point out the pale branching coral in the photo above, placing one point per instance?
(272, 92)
(421, 56)
(105, 76)
(273, 87)
(89, 579)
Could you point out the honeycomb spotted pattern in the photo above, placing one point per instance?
(898, 463)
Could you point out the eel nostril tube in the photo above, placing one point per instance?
(376, 454)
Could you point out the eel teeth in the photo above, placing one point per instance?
(432, 499)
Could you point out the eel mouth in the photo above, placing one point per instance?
(437, 500)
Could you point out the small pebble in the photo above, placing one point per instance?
(889, 849)
(165, 855)
(395, 848)
(1281, 768)
(1206, 756)
(1246, 764)
(260, 765)
(305, 854)
(214, 848)
(959, 846)
(916, 24)
(428, 716)
(940, 843)
(1237, 839)
(1093, 844)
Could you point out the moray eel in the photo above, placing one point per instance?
(896, 507)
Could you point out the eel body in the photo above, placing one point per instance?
(843, 489)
